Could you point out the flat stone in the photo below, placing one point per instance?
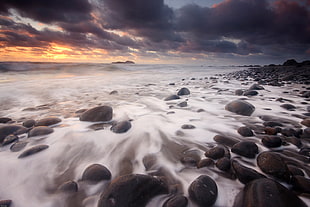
(33, 150)
(288, 107)
(29, 123)
(40, 130)
(9, 139)
(172, 97)
(18, 146)
(48, 121)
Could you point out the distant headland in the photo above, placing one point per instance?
(124, 62)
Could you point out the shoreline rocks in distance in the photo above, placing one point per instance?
(124, 62)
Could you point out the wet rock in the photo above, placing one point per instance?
(272, 163)
(48, 121)
(149, 161)
(245, 174)
(9, 139)
(11, 129)
(114, 92)
(288, 132)
(245, 131)
(18, 146)
(176, 201)
(5, 203)
(240, 107)
(305, 151)
(306, 133)
(288, 107)
(271, 141)
(29, 123)
(271, 130)
(227, 141)
(33, 150)
(256, 87)
(205, 163)
(188, 126)
(68, 187)
(272, 123)
(172, 97)
(121, 127)
(40, 130)
(215, 153)
(132, 190)
(293, 140)
(266, 192)
(182, 104)
(183, 91)
(301, 184)
(250, 93)
(306, 122)
(96, 173)
(203, 191)
(295, 170)
(99, 126)
(4, 120)
(100, 113)
(245, 148)
(239, 92)
(223, 164)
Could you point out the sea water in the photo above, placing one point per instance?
(39, 90)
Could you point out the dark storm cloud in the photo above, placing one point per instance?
(49, 11)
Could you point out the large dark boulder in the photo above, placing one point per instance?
(273, 164)
(266, 192)
(100, 113)
(11, 129)
(133, 190)
(96, 173)
(203, 191)
(48, 121)
(240, 107)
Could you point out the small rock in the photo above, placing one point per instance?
(288, 107)
(240, 107)
(100, 113)
(266, 192)
(205, 163)
(245, 148)
(223, 164)
(5, 203)
(239, 92)
(203, 191)
(9, 139)
(172, 97)
(272, 163)
(227, 141)
(68, 187)
(188, 126)
(33, 150)
(245, 174)
(40, 130)
(245, 131)
(48, 121)
(121, 127)
(4, 120)
(306, 122)
(271, 141)
(256, 87)
(182, 104)
(250, 93)
(96, 173)
(288, 132)
(132, 190)
(271, 130)
(18, 146)
(11, 129)
(183, 91)
(29, 123)
(176, 201)
(272, 123)
(114, 92)
(215, 153)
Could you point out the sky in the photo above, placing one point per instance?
(214, 32)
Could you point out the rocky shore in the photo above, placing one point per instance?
(270, 158)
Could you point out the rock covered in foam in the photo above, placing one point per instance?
(132, 190)
(100, 113)
(240, 107)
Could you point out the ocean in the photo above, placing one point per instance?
(137, 93)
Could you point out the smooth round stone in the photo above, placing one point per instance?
(68, 187)
(272, 163)
(33, 150)
(100, 113)
(250, 93)
(188, 126)
(266, 192)
(121, 127)
(271, 141)
(182, 104)
(48, 121)
(29, 123)
(215, 153)
(227, 141)
(256, 87)
(240, 107)
(40, 130)
(96, 173)
(288, 107)
(239, 92)
(245, 148)
(172, 97)
(223, 164)
(245, 131)
(245, 174)
(306, 122)
(183, 91)
(132, 190)
(176, 201)
(205, 163)
(203, 191)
